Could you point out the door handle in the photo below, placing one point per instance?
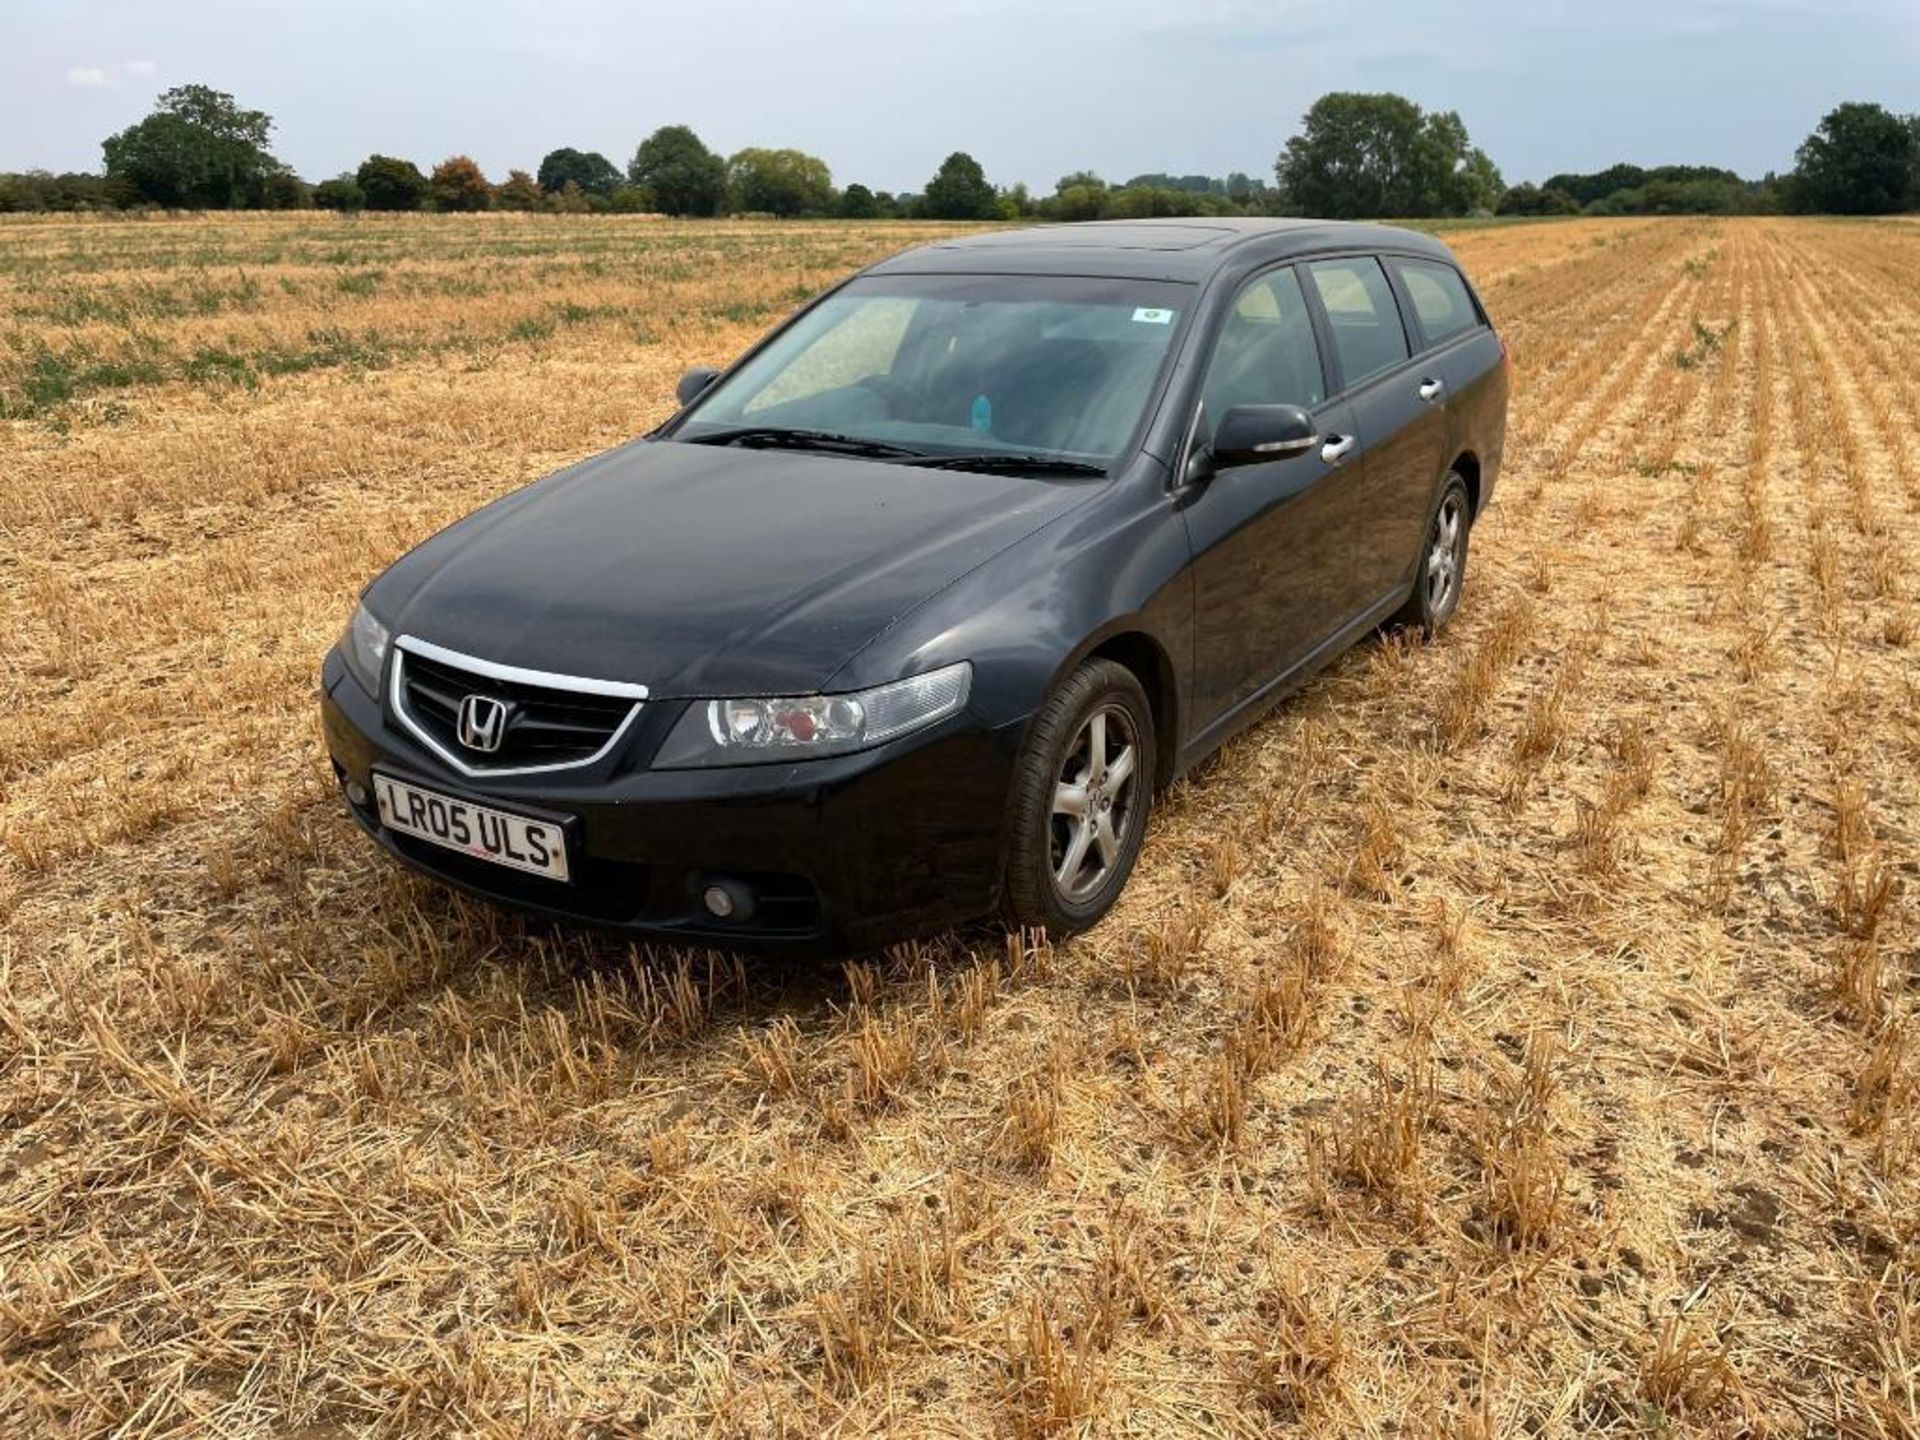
(1336, 448)
(1430, 390)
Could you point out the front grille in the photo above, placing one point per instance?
(546, 725)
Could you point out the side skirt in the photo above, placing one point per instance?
(1286, 682)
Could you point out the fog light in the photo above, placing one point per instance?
(725, 898)
(356, 793)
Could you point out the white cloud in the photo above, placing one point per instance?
(108, 77)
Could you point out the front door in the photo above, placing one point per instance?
(1273, 575)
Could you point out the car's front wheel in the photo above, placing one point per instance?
(1081, 793)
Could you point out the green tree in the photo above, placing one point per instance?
(570, 199)
(959, 191)
(857, 202)
(1665, 195)
(588, 169)
(1148, 202)
(1361, 156)
(1189, 184)
(519, 191)
(197, 149)
(1585, 189)
(1079, 196)
(684, 176)
(1459, 178)
(391, 184)
(1528, 198)
(37, 190)
(1913, 183)
(779, 182)
(1081, 202)
(631, 200)
(1861, 161)
(1246, 191)
(281, 190)
(342, 192)
(459, 185)
(1660, 190)
(1453, 177)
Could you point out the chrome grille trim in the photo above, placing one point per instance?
(494, 670)
(404, 645)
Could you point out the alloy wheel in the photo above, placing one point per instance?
(1442, 577)
(1093, 803)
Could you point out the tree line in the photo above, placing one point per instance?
(1355, 156)
(1862, 160)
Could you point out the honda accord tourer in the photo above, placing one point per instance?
(904, 619)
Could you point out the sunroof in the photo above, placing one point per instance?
(1104, 237)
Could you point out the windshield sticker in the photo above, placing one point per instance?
(1144, 316)
(982, 413)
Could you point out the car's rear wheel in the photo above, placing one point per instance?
(1443, 562)
(1081, 793)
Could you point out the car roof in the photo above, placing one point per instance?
(1187, 250)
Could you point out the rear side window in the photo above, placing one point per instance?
(1367, 334)
(1439, 298)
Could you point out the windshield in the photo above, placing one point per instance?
(1045, 366)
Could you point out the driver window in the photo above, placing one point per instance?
(863, 345)
(1266, 353)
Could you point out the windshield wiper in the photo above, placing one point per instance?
(779, 437)
(996, 462)
(1004, 462)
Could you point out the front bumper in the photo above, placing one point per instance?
(851, 852)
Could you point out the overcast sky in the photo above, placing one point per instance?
(883, 89)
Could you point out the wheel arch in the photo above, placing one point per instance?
(1142, 653)
(1467, 466)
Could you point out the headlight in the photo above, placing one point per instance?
(365, 648)
(806, 727)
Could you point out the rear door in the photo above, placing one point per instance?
(1271, 542)
(1399, 416)
(1455, 337)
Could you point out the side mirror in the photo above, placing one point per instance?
(1254, 434)
(694, 384)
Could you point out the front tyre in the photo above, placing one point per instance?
(1443, 563)
(1082, 789)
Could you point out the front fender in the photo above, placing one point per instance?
(1118, 566)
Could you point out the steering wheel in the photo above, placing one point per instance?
(900, 398)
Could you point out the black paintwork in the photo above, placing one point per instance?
(701, 571)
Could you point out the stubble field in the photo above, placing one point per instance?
(1509, 1036)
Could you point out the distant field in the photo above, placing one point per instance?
(1512, 1036)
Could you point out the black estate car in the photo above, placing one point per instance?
(905, 617)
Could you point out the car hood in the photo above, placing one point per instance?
(707, 570)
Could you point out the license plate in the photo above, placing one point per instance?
(536, 846)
